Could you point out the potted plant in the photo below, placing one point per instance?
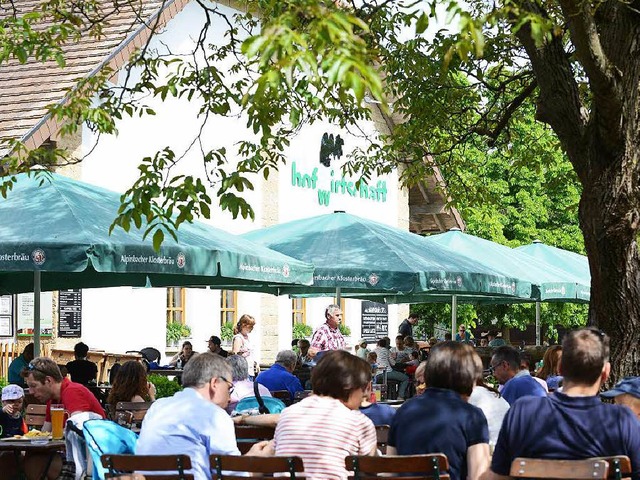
(185, 331)
(174, 333)
(301, 330)
(344, 330)
(226, 332)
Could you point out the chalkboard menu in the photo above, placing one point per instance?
(375, 320)
(70, 313)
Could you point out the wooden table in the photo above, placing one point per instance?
(19, 446)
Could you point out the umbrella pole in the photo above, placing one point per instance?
(454, 315)
(537, 323)
(36, 313)
(338, 295)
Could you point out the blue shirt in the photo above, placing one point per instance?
(279, 378)
(522, 386)
(188, 424)
(439, 420)
(569, 428)
(379, 413)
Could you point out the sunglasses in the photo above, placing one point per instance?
(33, 368)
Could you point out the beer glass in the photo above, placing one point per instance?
(57, 421)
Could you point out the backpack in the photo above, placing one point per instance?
(105, 436)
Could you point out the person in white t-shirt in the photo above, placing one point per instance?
(241, 345)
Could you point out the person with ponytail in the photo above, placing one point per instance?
(241, 344)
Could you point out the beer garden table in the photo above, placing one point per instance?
(18, 446)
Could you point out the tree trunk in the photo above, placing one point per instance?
(609, 221)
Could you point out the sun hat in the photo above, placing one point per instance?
(12, 392)
(630, 385)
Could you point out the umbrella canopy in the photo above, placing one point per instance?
(357, 255)
(55, 235)
(571, 262)
(552, 284)
(60, 227)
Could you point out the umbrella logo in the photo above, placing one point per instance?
(181, 260)
(285, 271)
(38, 256)
(373, 279)
(513, 286)
(459, 281)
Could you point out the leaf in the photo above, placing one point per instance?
(158, 238)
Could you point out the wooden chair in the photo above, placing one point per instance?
(534, 468)
(247, 436)
(416, 467)
(236, 467)
(135, 411)
(301, 394)
(283, 395)
(35, 414)
(382, 434)
(117, 465)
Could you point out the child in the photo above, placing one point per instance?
(11, 421)
(372, 358)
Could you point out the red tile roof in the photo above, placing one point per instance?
(26, 89)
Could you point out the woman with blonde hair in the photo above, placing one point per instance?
(550, 370)
(241, 344)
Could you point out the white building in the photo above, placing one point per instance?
(121, 319)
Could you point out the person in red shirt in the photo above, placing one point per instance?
(45, 382)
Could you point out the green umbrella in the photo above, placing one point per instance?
(570, 262)
(55, 235)
(552, 284)
(360, 257)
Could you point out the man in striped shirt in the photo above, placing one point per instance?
(328, 336)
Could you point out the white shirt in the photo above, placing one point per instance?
(493, 407)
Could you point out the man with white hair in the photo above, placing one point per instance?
(328, 336)
(193, 422)
(279, 376)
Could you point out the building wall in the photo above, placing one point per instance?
(121, 319)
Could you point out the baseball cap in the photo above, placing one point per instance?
(630, 385)
(362, 341)
(215, 340)
(12, 392)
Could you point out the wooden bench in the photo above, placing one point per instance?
(236, 467)
(127, 464)
(283, 395)
(415, 467)
(131, 414)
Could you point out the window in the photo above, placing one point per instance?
(175, 305)
(228, 307)
(299, 310)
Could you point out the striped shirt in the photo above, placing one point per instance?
(327, 338)
(323, 431)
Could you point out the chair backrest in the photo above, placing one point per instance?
(247, 436)
(416, 467)
(619, 467)
(301, 394)
(151, 354)
(283, 395)
(136, 411)
(35, 415)
(106, 437)
(236, 467)
(593, 468)
(176, 464)
(382, 434)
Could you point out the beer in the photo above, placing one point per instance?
(57, 421)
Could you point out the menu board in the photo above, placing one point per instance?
(375, 320)
(6, 315)
(25, 312)
(70, 313)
